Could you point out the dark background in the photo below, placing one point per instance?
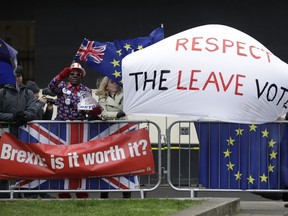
(60, 26)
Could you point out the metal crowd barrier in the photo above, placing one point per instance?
(44, 131)
(226, 157)
(201, 156)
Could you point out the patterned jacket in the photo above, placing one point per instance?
(68, 97)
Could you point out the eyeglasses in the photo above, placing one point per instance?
(18, 75)
(75, 74)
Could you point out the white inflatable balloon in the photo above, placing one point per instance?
(211, 72)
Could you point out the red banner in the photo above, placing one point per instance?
(116, 155)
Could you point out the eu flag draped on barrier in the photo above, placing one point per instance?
(68, 133)
(243, 156)
(8, 61)
(106, 57)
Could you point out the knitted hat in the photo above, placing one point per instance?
(32, 86)
(19, 70)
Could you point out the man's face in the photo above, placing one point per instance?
(75, 77)
(19, 79)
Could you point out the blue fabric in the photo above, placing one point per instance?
(8, 61)
(6, 73)
(257, 153)
(6, 51)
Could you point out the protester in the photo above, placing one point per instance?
(68, 98)
(41, 114)
(41, 102)
(110, 98)
(18, 106)
(68, 93)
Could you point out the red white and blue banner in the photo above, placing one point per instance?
(110, 156)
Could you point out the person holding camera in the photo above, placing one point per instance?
(41, 102)
(41, 114)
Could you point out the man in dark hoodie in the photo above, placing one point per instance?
(18, 106)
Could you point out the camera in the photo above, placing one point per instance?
(47, 91)
(51, 100)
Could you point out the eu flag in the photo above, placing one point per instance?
(243, 156)
(106, 57)
(6, 73)
(6, 51)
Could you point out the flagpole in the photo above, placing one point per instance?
(73, 61)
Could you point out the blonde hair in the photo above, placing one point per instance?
(102, 92)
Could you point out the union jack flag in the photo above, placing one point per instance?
(89, 51)
(106, 58)
(69, 132)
